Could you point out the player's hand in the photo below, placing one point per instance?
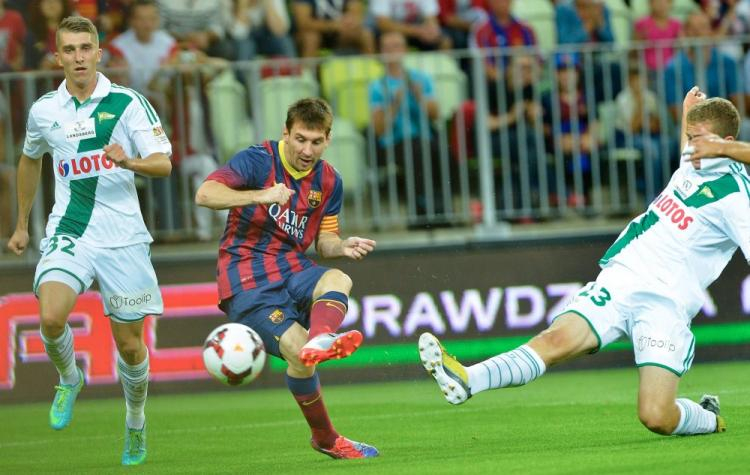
(693, 96)
(18, 242)
(705, 146)
(115, 153)
(278, 193)
(357, 248)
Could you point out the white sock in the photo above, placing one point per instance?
(694, 419)
(513, 368)
(135, 385)
(60, 352)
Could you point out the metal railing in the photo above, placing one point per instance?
(562, 154)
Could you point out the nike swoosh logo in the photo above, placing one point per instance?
(307, 403)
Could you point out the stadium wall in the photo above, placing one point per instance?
(482, 298)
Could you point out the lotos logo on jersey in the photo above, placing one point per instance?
(84, 166)
(289, 221)
(672, 208)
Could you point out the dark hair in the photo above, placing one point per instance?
(141, 3)
(723, 117)
(77, 24)
(312, 112)
(38, 24)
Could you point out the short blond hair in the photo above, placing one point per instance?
(77, 24)
(723, 117)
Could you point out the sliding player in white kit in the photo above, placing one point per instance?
(651, 286)
(99, 135)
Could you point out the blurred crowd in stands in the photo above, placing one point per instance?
(531, 118)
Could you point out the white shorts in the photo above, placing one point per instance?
(619, 304)
(126, 278)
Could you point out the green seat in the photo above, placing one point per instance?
(345, 83)
(622, 22)
(347, 153)
(277, 94)
(449, 80)
(230, 124)
(540, 16)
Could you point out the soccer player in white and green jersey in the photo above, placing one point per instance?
(99, 135)
(651, 285)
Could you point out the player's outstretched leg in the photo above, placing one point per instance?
(61, 353)
(326, 315)
(699, 417)
(325, 439)
(448, 372)
(711, 403)
(458, 383)
(330, 346)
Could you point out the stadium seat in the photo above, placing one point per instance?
(230, 124)
(347, 154)
(449, 80)
(540, 16)
(345, 83)
(278, 93)
(622, 22)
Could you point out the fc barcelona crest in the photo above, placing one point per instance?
(314, 198)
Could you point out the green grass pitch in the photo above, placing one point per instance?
(567, 422)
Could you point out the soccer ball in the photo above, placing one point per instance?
(234, 354)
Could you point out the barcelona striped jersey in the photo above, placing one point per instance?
(266, 243)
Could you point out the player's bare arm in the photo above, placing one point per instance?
(29, 172)
(712, 146)
(330, 245)
(155, 165)
(215, 195)
(693, 96)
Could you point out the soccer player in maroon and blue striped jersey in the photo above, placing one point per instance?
(283, 197)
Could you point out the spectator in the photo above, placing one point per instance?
(638, 126)
(12, 36)
(415, 19)
(40, 43)
(729, 18)
(702, 65)
(261, 27)
(588, 21)
(144, 48)
(574, 134)
(334, 24)
(660, 31)
(583, 21)
(513, 123)
(198, 24)
(458, 17)
(501, 30)
(403, 105)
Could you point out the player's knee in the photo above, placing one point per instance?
(337, 280)
(52, 322)
(656, 418)
(130, 349)
(554, 344)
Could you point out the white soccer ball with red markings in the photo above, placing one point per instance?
(234, 354)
